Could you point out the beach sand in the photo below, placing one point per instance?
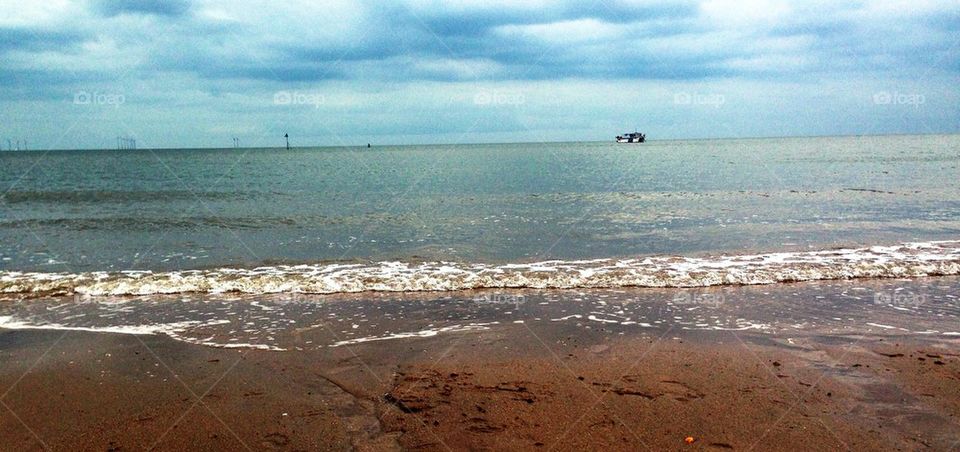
(541, 386)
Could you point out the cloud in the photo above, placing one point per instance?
(501, 40)
(112, 8)
(38, 15)
(567, 32)
(228, 56)
(745, 13)
(34, 41)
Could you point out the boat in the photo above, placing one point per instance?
(634, 137)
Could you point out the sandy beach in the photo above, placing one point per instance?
(462, 225)
(529, 386)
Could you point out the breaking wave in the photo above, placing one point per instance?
(905, 260)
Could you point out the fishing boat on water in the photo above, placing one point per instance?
(634, 137)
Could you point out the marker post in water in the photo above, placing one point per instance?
(287, 137)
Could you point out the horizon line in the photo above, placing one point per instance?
(364, 145)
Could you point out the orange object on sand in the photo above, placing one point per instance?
(689, 440)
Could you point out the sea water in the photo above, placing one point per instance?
(268, 225)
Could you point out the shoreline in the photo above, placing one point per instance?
(521, 389)
(516, 382)
(909, 259)
(927, 306)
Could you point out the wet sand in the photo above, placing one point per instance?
(535, 386)
(841, 365)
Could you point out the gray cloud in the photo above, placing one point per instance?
(224, 58)
(112, 8)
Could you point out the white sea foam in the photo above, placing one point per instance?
(900, 261)
(429, 332)
(11, 323)
(175, 330)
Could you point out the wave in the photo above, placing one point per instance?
(904, 260)
(145, 223)
(117, 196)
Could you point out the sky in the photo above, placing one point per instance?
(179, 73)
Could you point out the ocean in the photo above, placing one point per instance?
(232, 224)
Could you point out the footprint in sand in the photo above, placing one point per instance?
(275, 440)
